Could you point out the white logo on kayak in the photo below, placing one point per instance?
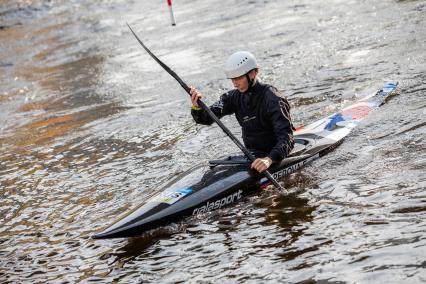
(210, 206)
(171, 195)
(293, 168)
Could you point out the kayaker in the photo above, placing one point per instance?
(264, 116)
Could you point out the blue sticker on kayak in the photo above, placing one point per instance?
(389, 87)
(171, 195)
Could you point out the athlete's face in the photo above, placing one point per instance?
(241, 83)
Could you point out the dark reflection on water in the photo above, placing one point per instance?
(90, 127)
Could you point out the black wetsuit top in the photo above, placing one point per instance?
(263, 116)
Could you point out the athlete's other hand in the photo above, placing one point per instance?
(195, 95)
(261, 164)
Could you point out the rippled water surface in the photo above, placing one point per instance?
(90, 127)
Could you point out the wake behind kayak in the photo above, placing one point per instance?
(223, 182)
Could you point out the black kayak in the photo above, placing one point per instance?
(222, 182)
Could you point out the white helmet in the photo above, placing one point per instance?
(239, 63)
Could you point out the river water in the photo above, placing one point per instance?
(90, 127)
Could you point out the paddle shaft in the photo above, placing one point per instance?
(208, 110)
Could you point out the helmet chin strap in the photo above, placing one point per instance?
(250, 82)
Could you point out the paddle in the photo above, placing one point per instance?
(207, 109)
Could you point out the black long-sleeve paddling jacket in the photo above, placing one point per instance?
(263, 115)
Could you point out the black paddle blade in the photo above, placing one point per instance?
(167, 68)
